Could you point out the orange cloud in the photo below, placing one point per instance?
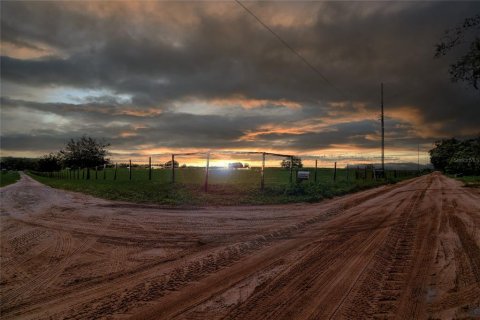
(31, 51)
(247, 103)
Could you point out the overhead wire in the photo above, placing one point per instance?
(293, 50)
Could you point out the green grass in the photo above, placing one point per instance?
(470, 181)
(226, 187)
(8, 177)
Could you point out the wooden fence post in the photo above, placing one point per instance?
(130, 170)
(206, 171)
(104, 171)
(262, 182)
(149, 168)
(335, 172)
(173, 168)
(348, 178)
(96, 172)
(115, 172)
(316, 169)
(365, 173)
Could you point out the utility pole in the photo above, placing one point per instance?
(383, 130)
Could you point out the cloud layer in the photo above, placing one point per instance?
(197, 76)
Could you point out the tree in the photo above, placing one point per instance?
(297, 163)
(442, 152)
(455, 156)
(168, 164)
(467, 67)
(85, 152)
(18, 164)
(49, 163)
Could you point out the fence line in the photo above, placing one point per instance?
(369, 171)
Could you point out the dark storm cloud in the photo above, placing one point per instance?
(160, 60)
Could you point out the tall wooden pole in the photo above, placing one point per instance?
(115, 174)
(206, 172)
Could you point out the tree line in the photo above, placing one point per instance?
(84, 152)
(455, 156)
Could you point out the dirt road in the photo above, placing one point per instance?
(410, 250)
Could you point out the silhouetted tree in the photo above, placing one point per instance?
(49, 163)
(17, 164)
(455, 156)
(84, 152)
(467, 67)
(297, 163)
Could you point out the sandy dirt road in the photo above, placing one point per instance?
(408, 251)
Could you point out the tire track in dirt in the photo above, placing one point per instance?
(359, 256)
(17, 297)
(380, 286)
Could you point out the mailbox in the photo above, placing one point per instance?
(303, 175)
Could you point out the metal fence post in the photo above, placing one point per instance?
(149, 168)
(130, 170)
(335, 172)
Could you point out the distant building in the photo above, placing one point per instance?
(235, 165)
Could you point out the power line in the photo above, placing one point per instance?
(285, 43)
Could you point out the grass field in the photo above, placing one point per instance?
(225, 187)
(8, 177)
(470, 181)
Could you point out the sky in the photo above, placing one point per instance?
(152, 78)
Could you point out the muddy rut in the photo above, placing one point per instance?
(404, 251)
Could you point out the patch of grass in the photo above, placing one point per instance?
(470, 181)
(8, 177)
(226, 187)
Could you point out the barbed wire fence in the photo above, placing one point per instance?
(236, 168)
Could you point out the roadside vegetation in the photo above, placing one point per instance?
(459, 159)
(8, 177)
(226, 187)
(470, 181)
